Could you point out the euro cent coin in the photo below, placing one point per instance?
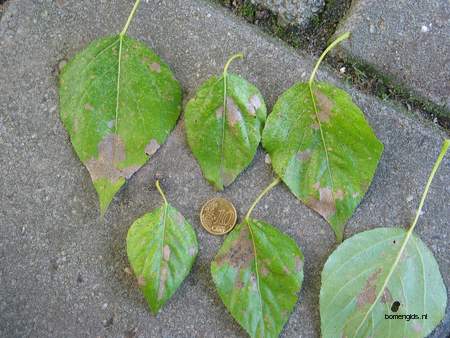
(218, 216)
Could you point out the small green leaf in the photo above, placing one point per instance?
(354, 275)
(224, 122)
(380, 274)
(161, 248)
(118, 102)
(323, 149)
(258, 273)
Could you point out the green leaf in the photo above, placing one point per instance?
(322, 148)
(161, 248)
(224, 122)
(354, 274)
(258, 272)
(383, 283)
(118, 102)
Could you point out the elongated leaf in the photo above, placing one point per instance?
(118, 102)
(258, 272)
(354, 274)
(326, 159)
(161, 248)
(224, 132)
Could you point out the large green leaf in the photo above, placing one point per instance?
(383, 283)
(353, 277)
(161, 248)
(224, 122)
(118, 102)
(326, 156)
(258, 272)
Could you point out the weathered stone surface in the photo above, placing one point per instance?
(407, 40)
(298, 12)
(63, 269)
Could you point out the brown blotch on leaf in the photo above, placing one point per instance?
(238, 284)
(166, 253)
(111, 151)
(304, 155)
(369, 291)
(141, 280)
(339, 194)
(240, 254)
(234, 115)
(88, 106)
(129, 171)
(386, 298)
(325, 205)
(324, 106)
(254, 103)
(152, 147)
(162, 280)
(264, 271)
(155, 67)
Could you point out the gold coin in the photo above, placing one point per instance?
(218, 216)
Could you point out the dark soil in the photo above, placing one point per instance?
(313, 38)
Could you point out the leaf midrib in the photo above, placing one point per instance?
(257, 276)
(394, 266)
(224, 116)
(166, 207)
(117, 96)
(324, 144)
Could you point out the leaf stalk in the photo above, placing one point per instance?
(338, 40)
(261, 195)
(225, 73)
(444, 149)
(161, 192)
(130, 17)
(230, 60)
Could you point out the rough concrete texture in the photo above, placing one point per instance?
(62, 266)
(408, 41)
(298, 12)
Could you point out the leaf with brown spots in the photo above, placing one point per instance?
(352, 281)
(322, 147)
(258, 273)
(366, 282)
(119, 101)
(161, 248)
(224, 122)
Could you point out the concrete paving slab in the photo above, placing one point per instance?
(408, 41)
(62, 266)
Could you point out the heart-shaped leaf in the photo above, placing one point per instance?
(382, 283)
(118, 102)
(161, 248)
(224, 122)
(258, 272)
(354, 275)
(323, 149)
